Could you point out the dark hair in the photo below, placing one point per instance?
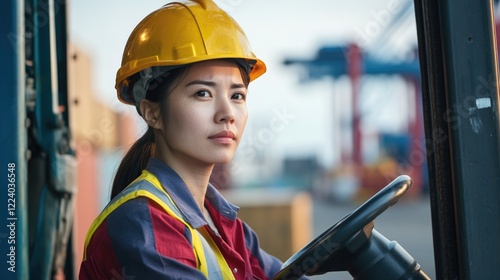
(136, 159)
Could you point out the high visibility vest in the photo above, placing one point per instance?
(209, 259)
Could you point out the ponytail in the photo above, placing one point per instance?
(136, 159)
(134, 162)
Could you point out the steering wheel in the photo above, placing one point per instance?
(352, 244)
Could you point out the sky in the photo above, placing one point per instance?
(313, 115)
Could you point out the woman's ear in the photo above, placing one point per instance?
(151, 113)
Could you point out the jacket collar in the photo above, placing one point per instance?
(178, 191)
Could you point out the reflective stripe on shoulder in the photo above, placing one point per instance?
(208, 256)
(211, 261)
(121, 198)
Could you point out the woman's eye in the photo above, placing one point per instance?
(203, 93)
(238, 96)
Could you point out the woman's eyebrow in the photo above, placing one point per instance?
(212, 84)
(238, 86)
(201, 82)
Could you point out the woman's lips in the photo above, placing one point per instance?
(224, 137)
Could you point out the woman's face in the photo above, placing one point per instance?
(206, 114)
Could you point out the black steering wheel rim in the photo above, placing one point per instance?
(332, 240)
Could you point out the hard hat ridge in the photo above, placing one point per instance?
(206, 4)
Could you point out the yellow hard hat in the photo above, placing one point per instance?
(181, 33)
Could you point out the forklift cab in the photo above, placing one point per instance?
(458, 57)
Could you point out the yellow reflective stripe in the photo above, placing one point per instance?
(197, 242)
(196, 235)
(110, 208)
(98, 221)
(225, 269)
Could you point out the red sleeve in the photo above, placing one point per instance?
(101, 260)
(172, 238)
(140, 240)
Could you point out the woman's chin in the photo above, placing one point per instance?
(222, 159)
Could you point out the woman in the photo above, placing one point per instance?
(186, 67)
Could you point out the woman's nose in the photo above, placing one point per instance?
(224, 112)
